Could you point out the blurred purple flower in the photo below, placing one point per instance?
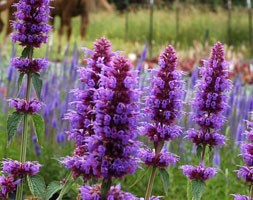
(8, 185)
(23, 106)
(161, 160)
(26, 65)
(241, 197)
(198, 173)
(20, 170)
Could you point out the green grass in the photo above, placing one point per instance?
(193, 24)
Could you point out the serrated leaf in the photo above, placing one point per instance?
(20, 80)
(165, 179)
(39, 125)
(199, 151)
(198, 188)
(52, 188)
(13, 122)
(106, 184)
(37, 186)
(26, 52)
(37, 84)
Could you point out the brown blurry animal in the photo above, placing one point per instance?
(65, 9)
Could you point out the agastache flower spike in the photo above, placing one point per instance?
(114, 144)
(31, 28)
(209, 105)
(81, 119)
(163, 108)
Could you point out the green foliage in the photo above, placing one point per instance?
(199, 151)
(164, 175)
(12, 123)
(106, 184)
(37, 186)
(27, 51)
(198, 188)
(20, 80)
(37, 83)
(52, 188)
(39, 126)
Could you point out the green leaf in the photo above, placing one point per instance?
(52, 188)
(13, 122)
(39, 125)
(198, 188)
(66, 187)
(37, 186)
(199, 151)
(138, 179)
(106, 184)
(165, 179)
(37, 83)
(26, 52)
(20, 80)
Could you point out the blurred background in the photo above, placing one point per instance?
(140, 29)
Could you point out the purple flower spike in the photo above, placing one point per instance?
(241, 197)
(165, 102)
(161, 160)
(7, 185)
(26, 65)
(18, 169)
(23, 106)
(210, 101)
(81, 119)
(31, 28)
(198, 173)
(115, 192)
(199, 138)
(163, 108)
(114, 144)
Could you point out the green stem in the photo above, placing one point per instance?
(203, 153)
(66, 187)
(24, 139)
(150, 183)
(106, 185)
(251, 191)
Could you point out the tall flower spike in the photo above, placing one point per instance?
(163, 107)
(82, 118)
(114, 145)
(31, 28)
(209, 106)
(210, 101)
